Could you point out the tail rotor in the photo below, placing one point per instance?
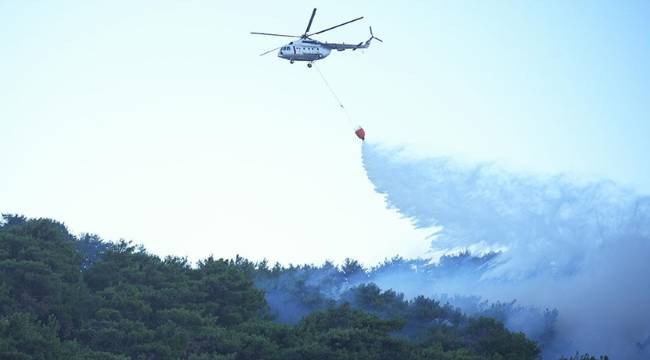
(372, 36)
(364, 45)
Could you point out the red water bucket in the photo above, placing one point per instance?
(361, 134)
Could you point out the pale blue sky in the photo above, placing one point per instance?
(158, 121)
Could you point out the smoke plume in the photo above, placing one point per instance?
(580, 248)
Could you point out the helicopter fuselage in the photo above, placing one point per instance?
(304, 50)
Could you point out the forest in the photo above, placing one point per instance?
(78, 297)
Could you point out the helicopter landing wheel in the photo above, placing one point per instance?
(309, 65)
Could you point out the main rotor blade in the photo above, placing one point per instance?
(334, 27)
(270, 51)
(313, 13)
(269, 34)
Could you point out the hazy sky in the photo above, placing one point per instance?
(158, 122)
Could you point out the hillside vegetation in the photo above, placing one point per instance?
(63, 297)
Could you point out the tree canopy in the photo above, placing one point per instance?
(67, 297)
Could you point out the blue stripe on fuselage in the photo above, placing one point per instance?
(304, 57)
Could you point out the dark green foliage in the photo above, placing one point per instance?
(344, 333)
(487, 336)
(91, 248)
(578, 356)
(39, 272)
(22, 336)
(68, 298)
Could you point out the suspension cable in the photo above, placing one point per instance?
(329, 87)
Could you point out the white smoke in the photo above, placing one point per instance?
(583, 249)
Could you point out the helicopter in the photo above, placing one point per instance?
(310, 50)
